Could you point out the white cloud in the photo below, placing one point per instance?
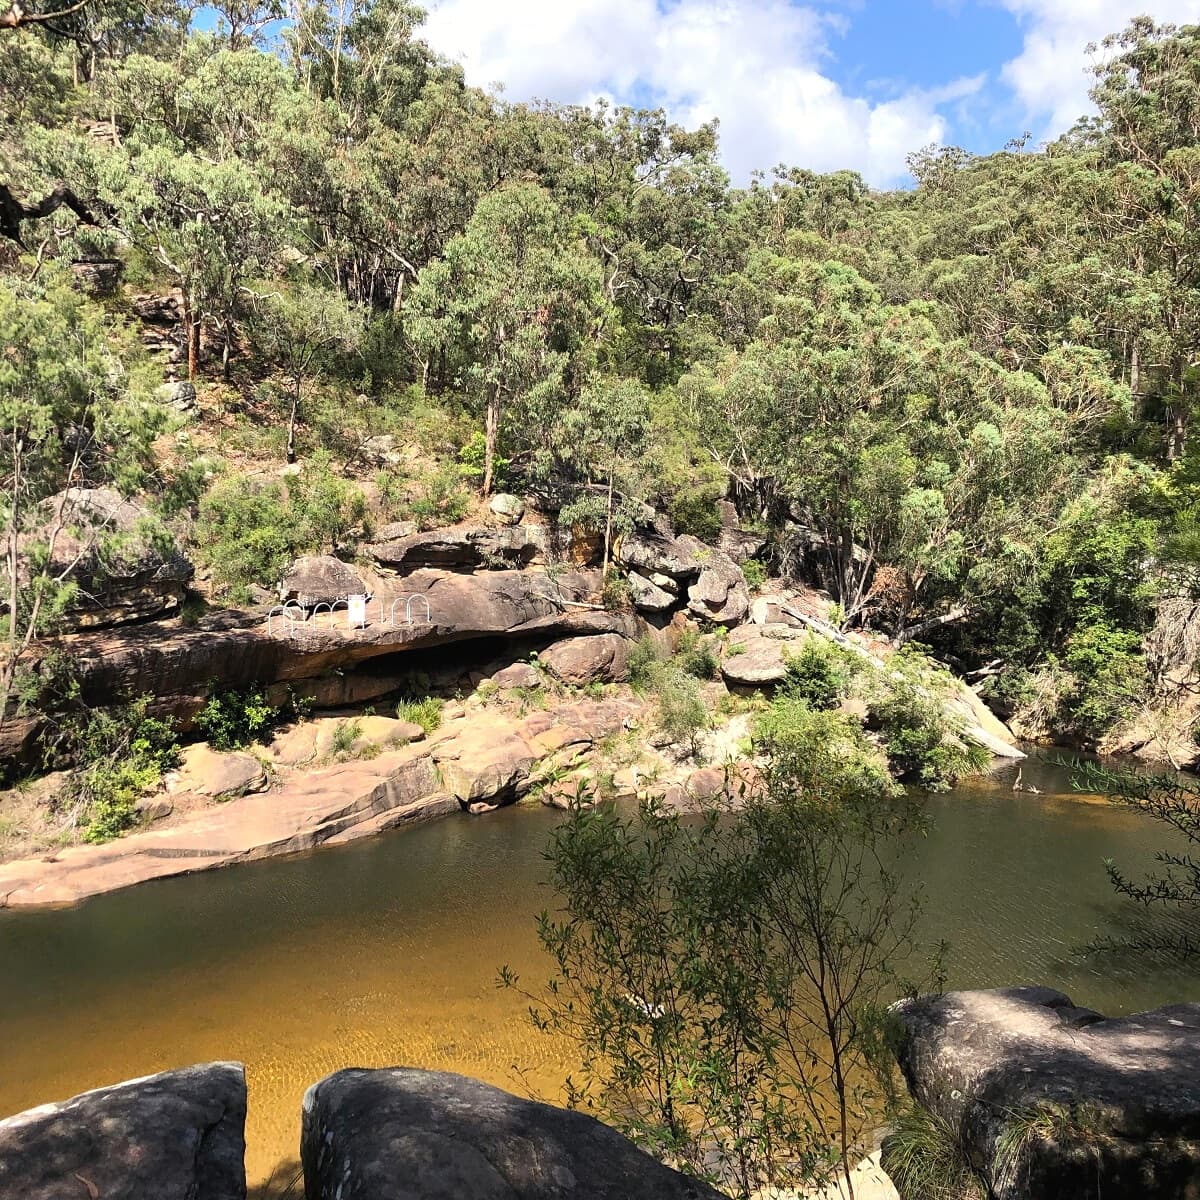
(754, 64)
(1050, 75)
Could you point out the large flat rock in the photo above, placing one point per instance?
(1109, 1107)
(404, 1134)
(339, 802)
(175, 1136)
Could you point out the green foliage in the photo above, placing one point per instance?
(345, 734)
(694, 964)
(615, 595)
(1108, 679)
(694, 655)
(682, 713)
(820, 674)
(119, 755)
(924, 1156)
(1165, 919)
(644, 658)
(425, 711)
(231, 720)
(754, 573)
(923, 743)
(249, 534)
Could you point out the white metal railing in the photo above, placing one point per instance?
(405, 610)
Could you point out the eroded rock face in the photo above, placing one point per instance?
(1126, 1091)
(470, 549)
(175, 1136)
(320, 579)
(404, 1134)
(603, 657)
(122, 573)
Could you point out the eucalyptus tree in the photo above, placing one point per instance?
(518, 300)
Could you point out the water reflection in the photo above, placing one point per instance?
(385, 952)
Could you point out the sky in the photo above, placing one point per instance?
(823, 84)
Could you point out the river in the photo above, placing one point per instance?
(386, 951)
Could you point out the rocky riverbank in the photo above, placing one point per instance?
(539, 667)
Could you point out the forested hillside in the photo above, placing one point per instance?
(963, 409)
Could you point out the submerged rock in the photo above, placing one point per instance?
(175, 1136)
(1050, 1100)
(405, 1134)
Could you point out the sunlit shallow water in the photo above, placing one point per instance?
(386, 952)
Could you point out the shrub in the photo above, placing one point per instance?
(245, 534)
(643, 659)
(682, 713)
(426, 712)
(754, 573)
(695, 656)
(345, 734)
(233, 719)
(250, 533)
(615, 596)
(820, 674)
(1109, 676)
(442, 500)
(120, 754)
(824, 750)
(923, 743)
(694, 511)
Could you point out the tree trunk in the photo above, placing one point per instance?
(608, 523)
(291, 441)
(191, 336)
(492, 425)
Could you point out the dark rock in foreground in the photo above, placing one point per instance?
(1053, 1101)
(174, 1136)
(404, 1134)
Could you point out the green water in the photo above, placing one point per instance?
(385, 951)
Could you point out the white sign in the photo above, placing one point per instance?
(357, 610)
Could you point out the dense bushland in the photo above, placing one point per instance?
(964, 409)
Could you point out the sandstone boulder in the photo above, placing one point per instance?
(488, 762)
(517, 675)
(648, 596)
(180, 395)
(506, 508)
(208, 772)
(1100, 1107)
(319, 579)
(603, 657)
(650, 552)
(758, 661)
(175, 1136)
(124, 572)
(720, 594)
(405, 1134)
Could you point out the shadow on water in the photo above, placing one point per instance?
(285, 1182)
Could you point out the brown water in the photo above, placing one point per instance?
(386, 952)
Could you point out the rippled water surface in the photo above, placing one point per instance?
(386, 951)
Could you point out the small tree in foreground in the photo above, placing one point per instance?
(725, 978)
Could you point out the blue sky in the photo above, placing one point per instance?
(816, 83)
